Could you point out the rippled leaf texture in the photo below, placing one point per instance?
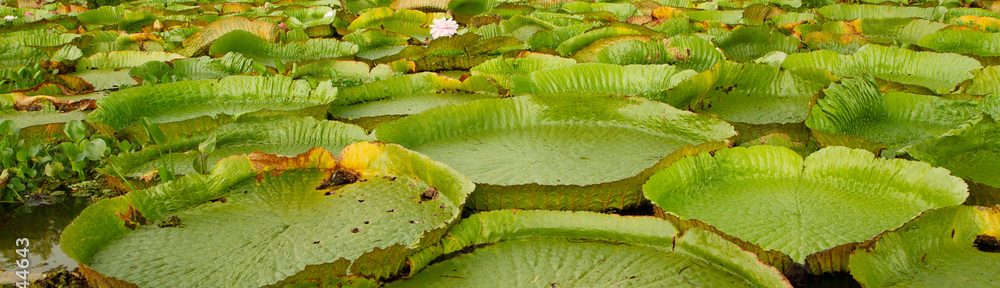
(234, 95)
(265, 213)
(651, 81)
(583, 143)
(581, 249)
(950, 247)
(288, 136)
(963, 41)
(857, 114)
(940, 72)
(261, 50)
(972, 152)
(773, 198)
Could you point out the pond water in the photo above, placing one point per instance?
(41, 225)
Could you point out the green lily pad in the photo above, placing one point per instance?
(186, 100)
(287, 137)
(583, 249)
(855, 113)
(771, 197)
(557, 152)
(950, 247)
(764, 94)
(972, 152)
(301, 219)
(940, 72)
(371, 104)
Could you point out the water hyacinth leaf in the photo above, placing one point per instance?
(855, 113)
(234, 95)
(940, 72)
(833, 197)
(282, 207)
(286, 137)
(41, 122)
(531, 152)
(583, 249)
(949, 247)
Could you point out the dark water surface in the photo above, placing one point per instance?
(41, 225)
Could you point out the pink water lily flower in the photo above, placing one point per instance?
(443, 27)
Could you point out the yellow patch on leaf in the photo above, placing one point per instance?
(667, 12)
(981, 23)
(316, 157)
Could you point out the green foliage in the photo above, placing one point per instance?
(32, 165)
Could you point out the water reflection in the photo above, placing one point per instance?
(42, 226)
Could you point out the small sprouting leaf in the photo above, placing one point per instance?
(201, 164)
(207, 146)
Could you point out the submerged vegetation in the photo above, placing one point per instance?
(487, 143)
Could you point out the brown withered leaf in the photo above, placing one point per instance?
(316, 157)
(24, 102)
(132, 218)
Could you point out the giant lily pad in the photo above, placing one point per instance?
(855, 113)
(300, 219)
(185, 100)
(372, 103)
(950, 247)
(964, 42)
(557, 152)
(764, 94)
(771, 197)
(583, 249)
(940, 72)
(972, 152)
(261, 50)
(652, 81)
(286, 137)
